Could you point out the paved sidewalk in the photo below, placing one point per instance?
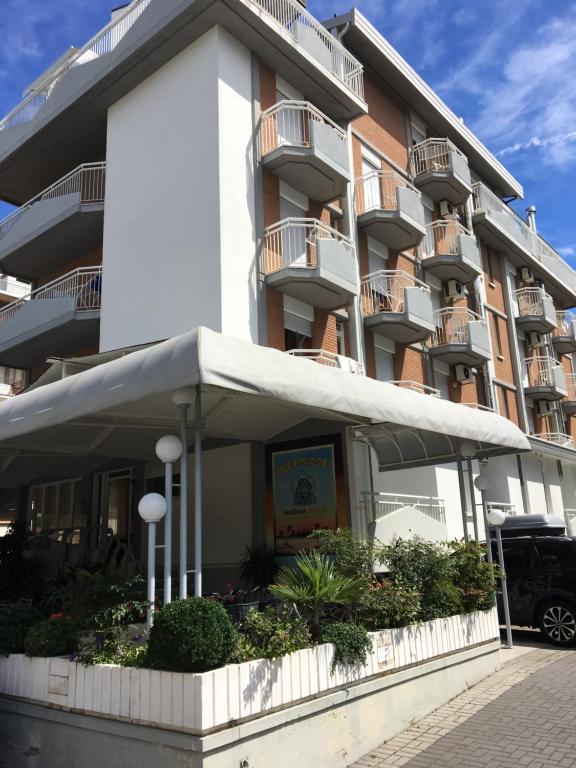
(524, 716)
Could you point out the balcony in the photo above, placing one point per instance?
(55, 320)
(564, 335)
(558, 438)
(397, 305)
(536, 311)
(388, 516)
(545, 378)
(306, 149)
(63, 221)
(389, 209)
(64, 115)
(310, 261)
(569, 404)
(505, 506)
(461, 337)
(415, 386)
(11, 383)
(451, 252)
(332, 360)
(441, 171)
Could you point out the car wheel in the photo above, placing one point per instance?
(558, 622)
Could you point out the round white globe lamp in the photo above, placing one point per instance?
(151, 509)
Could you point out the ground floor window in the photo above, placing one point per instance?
(114, 497)
(55, 506)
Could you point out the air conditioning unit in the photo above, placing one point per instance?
(544, 408)
(464, 373)
(536, 339)
(454, 290)
(526, 275)
(447, 210)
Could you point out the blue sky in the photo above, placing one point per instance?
(507, 68)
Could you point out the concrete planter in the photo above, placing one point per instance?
(201, 703)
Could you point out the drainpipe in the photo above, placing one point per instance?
(514, 348)
(531, 218)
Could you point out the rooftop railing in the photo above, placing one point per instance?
(330, 359)
(288, 123)
(88, 180)
(383, 291)
(377, 191)
(101, 44)
(379, 505)
(433, 155)
(452, 325)
(531, 301)
(540, 370)
(83, 285)
(292, 243)
(307, 31)
(442, 238)
(416, 386)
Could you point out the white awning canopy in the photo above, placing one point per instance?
(120, 408)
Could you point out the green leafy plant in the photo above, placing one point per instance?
(125, 653)
(15, 622)
(314, 583)
(192, 635)
(351, 643)
(474, 575)
(386, 605)
(258, 566)
(443, 598)
(271, 633)
(353, 557)
(54, 637)
(20, 575)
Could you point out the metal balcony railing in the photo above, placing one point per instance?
(442, 237)
(379, 505)
(505, 506)
(558, 438)
(531, 301)
(291, 16)
(292, 243)
(564, 324)
(330, 359)
(540, 370)
(377, 191)
(452, 325)
(83, 285)
(571, 387)
(101, 44)
(11, 383)
(88, 180)
(480, 407)
(415, 386)
(288, 123)
(13, 287)
(383, 291)
(433, 155)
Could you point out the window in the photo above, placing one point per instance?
(55, 505)
(371, 184)
(497, 334)
(517, 556)
(114, 502)
(341, 337)
(503, 402)
(295, 340)
(384, 364)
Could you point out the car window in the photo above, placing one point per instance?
(517, 556)
(557, 553)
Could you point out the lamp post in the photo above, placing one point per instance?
(183, 399)
(168, 450)
(496, 519)
(152, 509)
(483, 485)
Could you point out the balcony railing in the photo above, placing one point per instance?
(452, 325)
(11, 384)
(103, 43)
(558, 438)
(415, 386)
(442, 237)
(433, 155)
(89, 181)
(504, 506)
(289, 123)
(306, 31)
(379, 505)
(540, 370)
(531, 301)
(571, 387)
(564, 324)
(13, 287)
(377, 190)
(292, 243)
(83, 285)
(480, 407)
(330, 359)
(383, 291)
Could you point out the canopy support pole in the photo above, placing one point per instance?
(184, 502)
(473, 499)
(463, 504)
(198, 495)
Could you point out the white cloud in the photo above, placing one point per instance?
(567, 250)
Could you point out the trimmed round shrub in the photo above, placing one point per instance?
(54, 637)
(15, 622)
(192, 635)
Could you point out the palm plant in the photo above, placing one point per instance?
(313, 583)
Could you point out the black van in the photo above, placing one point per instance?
(540, 563)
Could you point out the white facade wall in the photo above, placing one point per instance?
(179, 243)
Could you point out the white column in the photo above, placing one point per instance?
(198, 496)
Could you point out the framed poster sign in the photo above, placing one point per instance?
(305, 496)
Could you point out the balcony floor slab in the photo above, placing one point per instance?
(395, 229)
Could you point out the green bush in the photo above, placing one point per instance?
(353, 557)
(125, 653)
(54, 637)
(351, 643)
(313, 584)
(387, 605)
(271, 633)
(20, 575)
(443, 598)
(192, 635)
(258, 566)
(474, 575)
(15, 621)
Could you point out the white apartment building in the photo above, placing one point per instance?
(270, 236)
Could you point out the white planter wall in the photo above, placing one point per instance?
(202, 702)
